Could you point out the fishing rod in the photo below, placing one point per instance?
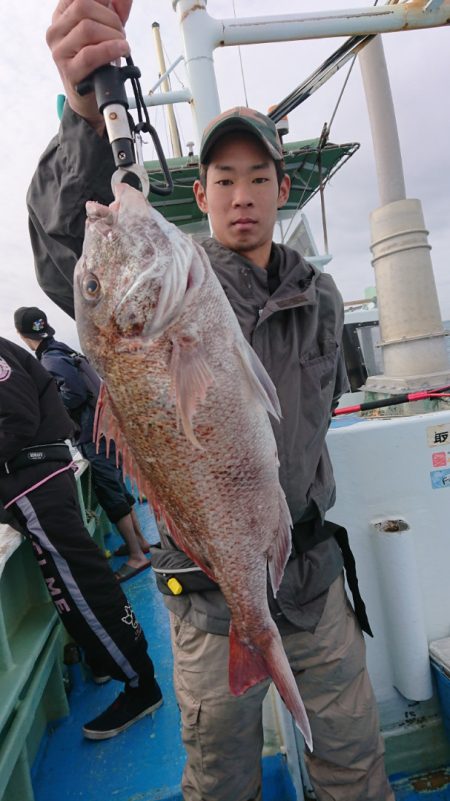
(322, 74)
(394, 401)
(123, 133)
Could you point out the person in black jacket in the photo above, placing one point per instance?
(37, 485)
(61, 361)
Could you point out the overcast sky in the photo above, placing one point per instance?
(419, 65)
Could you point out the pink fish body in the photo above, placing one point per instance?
(187, 400)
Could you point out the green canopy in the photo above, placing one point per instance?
(308, 164)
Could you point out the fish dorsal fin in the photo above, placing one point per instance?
(190, 378)
(106, 424)
(279, 552)
(258, 378)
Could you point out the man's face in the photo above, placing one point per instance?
(242, 196)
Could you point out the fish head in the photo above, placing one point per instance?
(134, 275)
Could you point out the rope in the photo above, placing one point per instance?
(90, 514)
(242, 66)
(322, 204)
(174, 72)
(39, 484)
(344, 86)
(325, 135)
(170, 84)
(322, 141)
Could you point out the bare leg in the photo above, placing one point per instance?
(126, 528)
(138, 531)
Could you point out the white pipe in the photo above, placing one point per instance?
(164, 98)
(403, 604)
(199, 31)
(294, 27)
(386, 145)
(316, 25)
(202, 34)
(412, 334)
(165, 74)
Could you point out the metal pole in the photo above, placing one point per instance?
(323, 24)
(165, 74)
(173, 129)
(412, 334)
(386, 144)
(202, 34)
(405, 16)
(199, 32)
(163, 98)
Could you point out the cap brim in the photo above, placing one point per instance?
(50, 332)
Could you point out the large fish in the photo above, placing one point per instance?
(186, 400)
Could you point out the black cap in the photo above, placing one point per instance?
(32, 322)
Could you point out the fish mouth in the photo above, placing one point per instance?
(99, 216)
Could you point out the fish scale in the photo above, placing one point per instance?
(186, 400)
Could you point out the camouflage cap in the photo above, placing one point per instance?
(242, 119)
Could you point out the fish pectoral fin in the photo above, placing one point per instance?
(279, 552)
(190, 379)
(246, 665)
(177, 287)
(257, 376)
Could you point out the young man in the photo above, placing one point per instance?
(80, 400)
(38, 486)
(292, 316)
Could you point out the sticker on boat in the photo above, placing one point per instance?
(437, 435)
(439, 459)
(440, 479)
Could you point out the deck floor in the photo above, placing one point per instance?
(145, 762)
(145, 759)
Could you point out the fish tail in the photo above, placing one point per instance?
(246, 665)
(283, 678)
(250, 664)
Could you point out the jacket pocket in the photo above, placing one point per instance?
(319, 370)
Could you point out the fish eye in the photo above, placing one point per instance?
(91, 287)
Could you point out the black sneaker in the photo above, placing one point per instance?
(128, 707)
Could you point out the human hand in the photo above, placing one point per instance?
(84, 35)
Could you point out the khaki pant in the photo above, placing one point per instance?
(223, 734)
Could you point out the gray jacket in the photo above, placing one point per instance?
(296, 331)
